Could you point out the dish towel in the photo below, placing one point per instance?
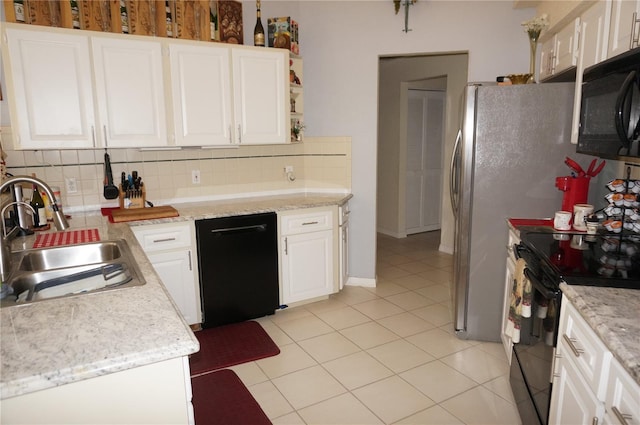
(520, 301)
(69, 237)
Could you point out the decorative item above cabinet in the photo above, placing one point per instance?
(205, 20)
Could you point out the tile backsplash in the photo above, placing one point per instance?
(322, 163)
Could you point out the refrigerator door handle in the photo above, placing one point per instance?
(454, 182)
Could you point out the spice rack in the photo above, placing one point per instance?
(184, 19)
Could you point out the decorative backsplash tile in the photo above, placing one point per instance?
(319, 163)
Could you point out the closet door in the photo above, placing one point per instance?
(425, 136)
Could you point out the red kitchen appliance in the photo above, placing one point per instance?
(576, 186)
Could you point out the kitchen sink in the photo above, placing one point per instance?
(68, 256)
(46, 273)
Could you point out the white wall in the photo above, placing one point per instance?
(341, 42)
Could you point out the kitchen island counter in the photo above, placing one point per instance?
(61, 341)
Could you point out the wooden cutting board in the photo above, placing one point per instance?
(133, 214)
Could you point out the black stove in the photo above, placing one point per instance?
(605, 259)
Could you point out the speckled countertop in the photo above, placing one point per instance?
(613, 313)
(59, 341)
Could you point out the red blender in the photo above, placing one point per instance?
(576, 187)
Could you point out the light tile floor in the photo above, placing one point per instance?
(384, 355)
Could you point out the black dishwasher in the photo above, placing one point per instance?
(238, 260)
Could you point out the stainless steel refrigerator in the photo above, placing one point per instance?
(511, 146)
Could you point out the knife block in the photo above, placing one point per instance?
(127, 201)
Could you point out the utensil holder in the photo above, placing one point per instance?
(132, 198)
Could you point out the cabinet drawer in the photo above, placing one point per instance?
(582, 346)
(163, 237)
(307, 222)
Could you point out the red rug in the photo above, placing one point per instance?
(221, 398)
(230, 345)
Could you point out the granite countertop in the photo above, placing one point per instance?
(613, 313)
(59, 341)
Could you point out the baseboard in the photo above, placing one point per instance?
(392, 233)
(361, 281)
(446, 249)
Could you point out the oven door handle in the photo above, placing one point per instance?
(535, 282)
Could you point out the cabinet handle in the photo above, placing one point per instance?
(622, 417)
(164, 240)
(570, 341)
(308, 223)
(594, 421)
(231, 134)
(635, 38)
(104, 130)
(239, 133)
(286, 247)
(190, 267)
(93, 136)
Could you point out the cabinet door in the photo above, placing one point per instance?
(261, 96)
(201, 89)
(624, 27)
(49, 89)
(307, 265)
(175, 268)
(572, 401)
(567, 47)
(508, 289)
(130, 92)
(547, 58)
(622, 398)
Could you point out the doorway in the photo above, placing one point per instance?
(425, 140)
(397, 75)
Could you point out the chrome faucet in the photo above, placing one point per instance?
(5, 242)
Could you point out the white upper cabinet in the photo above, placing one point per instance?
(625, 26)
(71, 89)
(560, 52)
(130, 91)
(49, 89)
(201, 92)
(261, 95)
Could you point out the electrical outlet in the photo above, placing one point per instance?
(195, 176)
(71, 184)
(288, 169)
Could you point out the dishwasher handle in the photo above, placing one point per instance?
(239, 229)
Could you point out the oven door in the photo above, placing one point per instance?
(532, 363)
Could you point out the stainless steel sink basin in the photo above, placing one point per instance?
(63, 271)
(69, 256)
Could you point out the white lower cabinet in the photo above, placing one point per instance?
(172, 252)
(573, 402)
(510, 270)
(159, 393)
(622, 400)
(308, 253)
(589, 385)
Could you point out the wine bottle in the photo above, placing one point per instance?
(258, 31)
(40, 216)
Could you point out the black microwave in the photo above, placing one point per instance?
(610, 108)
